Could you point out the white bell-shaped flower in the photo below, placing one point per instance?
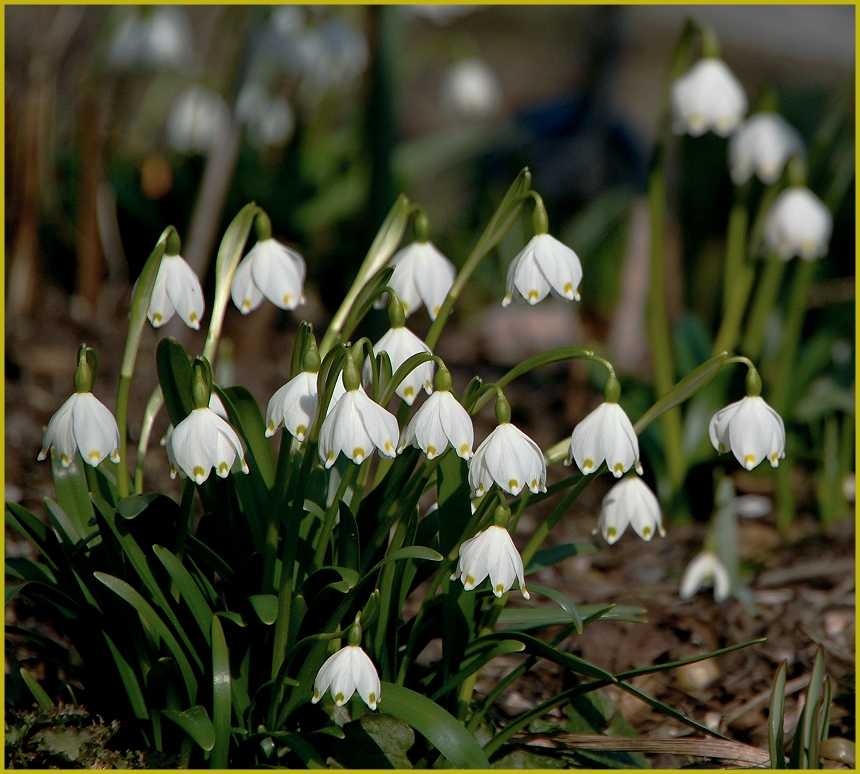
(491, 553)
(543, 266)
(509, 458)
(440, 422)
(294, 406)
(798, 223)
(706, 570)
(630, 501)
(422, 275)
(605, 434)
(270, 269)
(707, 97)
(203, 441)
(178, 290)
(751, 430)
(345, 672)
(400, 343)
(84, 423)
(762, 145)
(355, 425)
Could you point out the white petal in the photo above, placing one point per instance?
(380, 425)
(278, 273)
(60, 432)
(456, 424)
(95, 429)
(246, 295)
(160, 307)
(183, 290)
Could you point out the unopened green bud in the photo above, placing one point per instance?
(85, 373)
(396, 315)
(753, 382)
(355, 631)
(442, 380)
(172, 245)
(539, 216)
(201, 383)
(612, 390)
(503, 409)
(311, 355)
(351, 377)
(421, 226)
(262, 226)
(501, 516)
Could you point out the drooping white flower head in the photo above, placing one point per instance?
(345, 672)
(422, 275)
(84, 423)
(441, 421)
(355, 425)
(707, 97)
(178, 290)
(294, 406)
(706, 570)
(400, 343)
(630, 501)
(751, 429)
(543, 266)
(605, 434)
(509, 458)
(762, 145)
(798, 223)
(270, 269)
(472, 90)
(203, 441)
(491, 552)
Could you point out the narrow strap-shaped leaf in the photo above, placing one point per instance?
(208, 557)
(73, 496)
(523, 618)
(174, 376)
(440, 728)
(541, 649)
(667, 710)
(221, 696)
(546, 557)
(809, 725)
(484, 656)
(145, 610)
(266, 607)
(38, 692)
(248, 420)
(64, 526)
(194, 722)
(27, 569)
(137, 558)
(129, 680)
(631, 673)
(349, 546)
(563, 601)
(681, 391)
(776, 716)
(188, 589)
(27, 525)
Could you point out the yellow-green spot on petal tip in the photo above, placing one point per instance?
(222, 467)
(587, 465)
(198, 472)
(611, 532)
(568, 288)
(513, 484)
(646, 532)
(409, 392)
(358, 454)
(301, 432)
(94, 454)
(470, 582)
(288, 298)
(157, 318)
(618, 468)
(193, 317)
(533, 296)
(431, 451)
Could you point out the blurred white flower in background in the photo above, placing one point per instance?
(762, 145)
(269, 119)
(707, 97)
(438, 14)
(472, 90)
(196, 116)
(151, 37)
(706, 570)
(798, 223)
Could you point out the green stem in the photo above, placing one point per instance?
(155, 402)
(122, 479)
(331, 514)
(767, 292)
(738, 275)
(657, 323)
(499, 225)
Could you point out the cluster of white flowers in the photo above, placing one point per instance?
(709, 97)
